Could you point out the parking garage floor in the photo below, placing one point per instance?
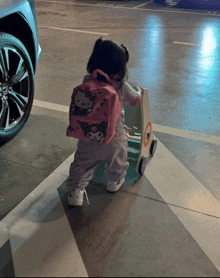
(164, 224)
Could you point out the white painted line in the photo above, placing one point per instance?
(205, 231)
(26, 229)
(23, 213)
(4, 237)
(186, 43)
(56, 253)
(178, 186)
(78, 31)
(63, 2)
(102, 5)
(159, 128)
(63, 169)
(186, 196)
(193, 204)
(128, 8)
(35, 200)
(187, 134)
(50, 105)
(141, 5)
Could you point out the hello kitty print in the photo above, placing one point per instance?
(82, 103)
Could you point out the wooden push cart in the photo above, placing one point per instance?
(138, 126)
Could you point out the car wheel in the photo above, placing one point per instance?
(16, 86)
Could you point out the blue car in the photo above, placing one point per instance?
(19, 54)
(191, 4)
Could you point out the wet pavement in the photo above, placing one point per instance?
(182, 79)
(175, 54)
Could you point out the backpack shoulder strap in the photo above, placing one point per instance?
(95, 72)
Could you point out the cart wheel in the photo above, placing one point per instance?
(142, 165)
(153, 147)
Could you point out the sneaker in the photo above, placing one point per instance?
(114, 186)
(75, 197)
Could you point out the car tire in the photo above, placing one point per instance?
(16, 86)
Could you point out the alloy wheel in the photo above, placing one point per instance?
(14, 87)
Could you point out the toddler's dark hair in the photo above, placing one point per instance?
(110, 57)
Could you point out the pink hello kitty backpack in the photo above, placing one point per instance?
(94, 110)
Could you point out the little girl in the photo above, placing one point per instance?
(111, 58)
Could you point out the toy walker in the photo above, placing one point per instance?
(138, 126)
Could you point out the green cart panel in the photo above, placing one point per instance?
(133, 118)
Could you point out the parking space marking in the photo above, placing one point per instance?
(159, 128)
(187, 134)
(196, 208)
(124, 7)
(50, 105)
(104, 5)
(193, 204)
(36, 197)
(77, 30)
(24, 225)
(186, 43)
(141, 5)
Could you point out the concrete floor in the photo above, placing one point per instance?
(139, 231)
(130, 235)
(182, 81)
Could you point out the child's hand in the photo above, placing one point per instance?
(138, 90)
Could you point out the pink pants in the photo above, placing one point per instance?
(90, 153)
